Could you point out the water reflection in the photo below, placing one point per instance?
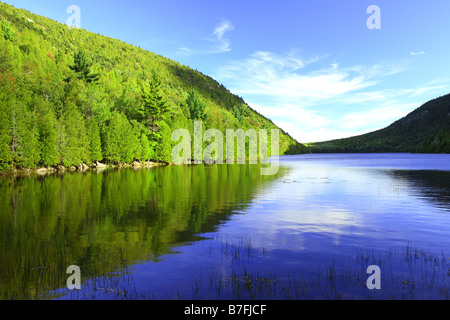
(100, 220)
(316, 210)
(433, 186)
(332, 208)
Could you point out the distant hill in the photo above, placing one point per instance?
(69, 96)
(425, 130)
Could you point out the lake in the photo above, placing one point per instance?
(228, 232)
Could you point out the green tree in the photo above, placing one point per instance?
(142, 149)
(196, 106)
(95, 146)
(112, 148)
(8, 33)
(82, 68)
(122, 144)
(163, 140)
(147, 152)
(6, 60)
(24, 136)
(241, 111)
(73, 142)
(48, 134)
(153, 107)
(48, 102)
(6, 96)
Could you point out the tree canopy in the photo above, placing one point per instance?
(68, 96)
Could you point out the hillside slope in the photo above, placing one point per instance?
(425, 130)
(68, 96)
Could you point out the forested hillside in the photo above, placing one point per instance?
(68, 96)
(425, 130)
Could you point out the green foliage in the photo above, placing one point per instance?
(424, 130)
(241, 112)
(146, 151)
(51, 113)
(117, 147)
(48, 134)
(5, 57)
(153, 108)
(82, 68)
(439, 144)
(93, 133)
(8, 33)
(196, 106)
(73, 140)
(163, 145)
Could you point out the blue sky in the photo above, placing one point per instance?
(313, 67)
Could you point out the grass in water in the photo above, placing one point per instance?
(412, 274)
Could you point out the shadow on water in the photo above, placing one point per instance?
(433, 186)
(101, 221)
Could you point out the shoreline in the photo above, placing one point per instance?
(43, 171)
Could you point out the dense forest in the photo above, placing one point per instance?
(425, 130)
(68, 96)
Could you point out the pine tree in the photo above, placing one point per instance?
(5, 132)
(196, 106)
(82, 68)
(73, 142)
(95, 146)
(6, 95)
(163, 139)
(241, 111)
(121, 145)
(147, 153)
(8, 33)
(153, 107)
(48, 134)
(6, 60)
(24, 142)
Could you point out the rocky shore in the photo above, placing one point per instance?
(81, 167)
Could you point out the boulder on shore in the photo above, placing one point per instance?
(82, 167)
(100, 165)
(41, 171)
(152, 164)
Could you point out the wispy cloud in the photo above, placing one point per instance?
(222, 43)
(309, 125)
(315, 100)
(269, 74)
(417, 53)
(218, 39)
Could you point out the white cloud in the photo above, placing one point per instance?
(220, 43)
(305, 135)
(185, 50)
(417, 53)
(316, 101)
(308, 125)
(268, 74)
(375, 117)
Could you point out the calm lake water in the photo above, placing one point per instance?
(226, 231)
